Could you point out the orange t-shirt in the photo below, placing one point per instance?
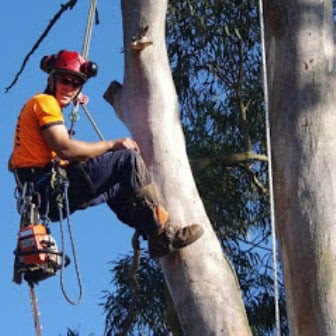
(30, 149)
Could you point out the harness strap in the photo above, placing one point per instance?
(35, 178)
(58, 182)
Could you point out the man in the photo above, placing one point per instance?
(109, 171)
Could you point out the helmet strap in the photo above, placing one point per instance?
(50, 88)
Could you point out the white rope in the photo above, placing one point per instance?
(270, 175)
(94, 125)
(85, 52)
(89, 26)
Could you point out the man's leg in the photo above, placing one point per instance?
(122, 179)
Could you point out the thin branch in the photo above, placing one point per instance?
(229, 160)
(261, 189)
(242, 107)
(256, 243)
(70, 4)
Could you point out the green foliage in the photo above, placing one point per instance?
(72, 333)
(150, 314)
(216, 64)
(214, 48)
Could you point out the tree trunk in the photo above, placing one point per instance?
(202, 283)
(301, 77)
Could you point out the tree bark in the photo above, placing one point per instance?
(200, 278)
(301, 78)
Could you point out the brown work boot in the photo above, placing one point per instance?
(172, 238)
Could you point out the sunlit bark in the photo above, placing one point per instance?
(301, 71)
(202, 283)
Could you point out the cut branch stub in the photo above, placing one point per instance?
(141, 41)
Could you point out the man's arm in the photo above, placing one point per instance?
(66, 148)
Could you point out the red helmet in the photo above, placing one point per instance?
(69, 62)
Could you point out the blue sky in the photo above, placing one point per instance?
(99, 237)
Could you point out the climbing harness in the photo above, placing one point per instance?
(270, 176)
(37, 256)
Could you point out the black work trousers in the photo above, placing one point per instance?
(113, 178)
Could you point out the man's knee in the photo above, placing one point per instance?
(135, 163)
(130, 154)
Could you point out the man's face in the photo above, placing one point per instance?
(67, 87)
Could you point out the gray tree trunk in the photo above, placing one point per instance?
(202, 283)
(301, 77)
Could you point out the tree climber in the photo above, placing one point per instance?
(109, 171)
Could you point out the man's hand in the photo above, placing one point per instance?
(125, 143)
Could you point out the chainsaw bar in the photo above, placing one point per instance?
(35, 310)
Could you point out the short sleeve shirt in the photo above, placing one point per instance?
(30, 149)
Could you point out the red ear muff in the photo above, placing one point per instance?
(90, 69)
(47, 63)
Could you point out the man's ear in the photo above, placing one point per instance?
(51, 83)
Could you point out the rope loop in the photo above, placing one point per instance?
(64, 201)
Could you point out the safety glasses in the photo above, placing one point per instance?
(74, 83)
